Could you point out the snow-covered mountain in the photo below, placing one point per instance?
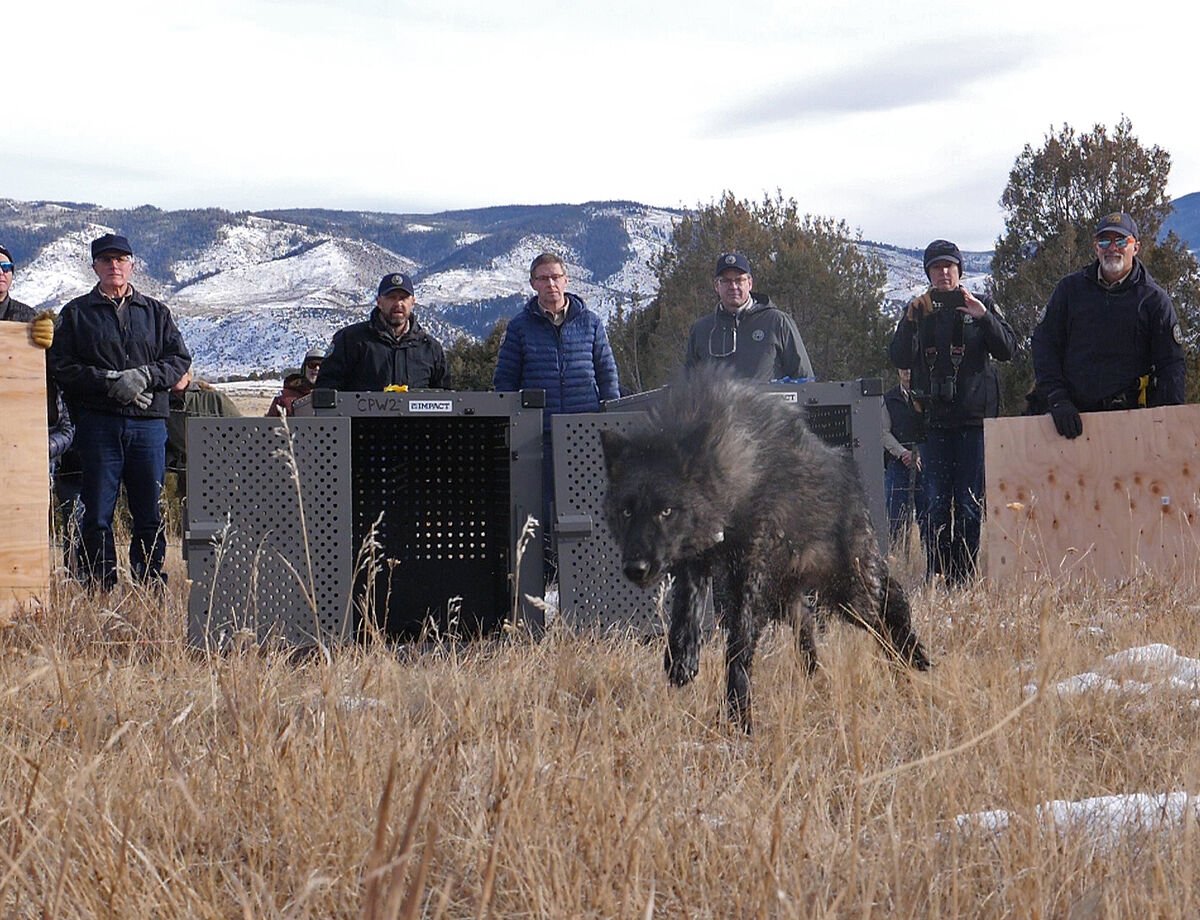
(253, 292)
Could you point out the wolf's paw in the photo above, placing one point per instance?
(681, 669)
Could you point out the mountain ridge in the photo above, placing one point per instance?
(252, 291)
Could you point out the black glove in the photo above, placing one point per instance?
(124, 386)
(1066, 417)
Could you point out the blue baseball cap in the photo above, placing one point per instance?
(1118, 222)
(396, 281)
(734, 260)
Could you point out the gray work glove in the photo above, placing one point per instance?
(124, 386)
(143, 399)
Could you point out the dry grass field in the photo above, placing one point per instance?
(563, 778)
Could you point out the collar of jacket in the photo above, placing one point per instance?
(1136, 275)
(95, 298)
(575, 307)
(758, 303)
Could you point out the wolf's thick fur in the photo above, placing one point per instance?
(728, 481)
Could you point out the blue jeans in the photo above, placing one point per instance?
(113, 450)
(905, 498)
(953, 480)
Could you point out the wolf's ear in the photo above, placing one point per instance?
(614, 446)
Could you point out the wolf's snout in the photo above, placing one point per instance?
(637, 571)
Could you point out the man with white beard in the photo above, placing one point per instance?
(1109, 338)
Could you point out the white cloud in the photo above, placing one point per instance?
(902, 120)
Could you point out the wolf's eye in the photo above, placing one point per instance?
(666, 512)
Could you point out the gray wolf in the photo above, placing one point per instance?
(727, 481)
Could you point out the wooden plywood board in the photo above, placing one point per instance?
(24, 471)
(1121, 499)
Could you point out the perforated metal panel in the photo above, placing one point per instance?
(593, 593)
(253, 536)
(435, 492)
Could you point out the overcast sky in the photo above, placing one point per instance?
(901, 118)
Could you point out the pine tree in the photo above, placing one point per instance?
(472, 363)
(811, 267)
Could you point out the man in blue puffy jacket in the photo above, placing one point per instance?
(558, 345)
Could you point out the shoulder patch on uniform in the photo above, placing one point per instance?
(759, 335)
(1177, 333)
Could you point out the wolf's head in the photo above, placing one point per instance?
(651, 507)
(673, 485)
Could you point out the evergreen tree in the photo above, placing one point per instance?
(811, 267)
(1054, 198)
(472, 363)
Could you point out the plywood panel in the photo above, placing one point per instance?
(24, 471)
(1121, 499)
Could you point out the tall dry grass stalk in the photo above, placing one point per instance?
(564, 778)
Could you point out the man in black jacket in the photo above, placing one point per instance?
(948, 337)
(116, 354)
(1109, 338)
(388, 348)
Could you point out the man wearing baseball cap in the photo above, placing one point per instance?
(388, 348)
(746, 332)
(1109, 337)
(116, 355)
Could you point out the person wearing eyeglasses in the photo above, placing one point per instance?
(1109, 338)
(746, 332)
(558, 345)
(388, 348)
(116, 355)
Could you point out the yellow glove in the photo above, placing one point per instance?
(396, 388)
(41, 329)
(919, 307)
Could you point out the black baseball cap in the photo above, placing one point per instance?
(733, 260)
(396, 281)
(111, 242)
(7, 254)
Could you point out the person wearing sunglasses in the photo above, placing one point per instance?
(1109, 338)
(298, 385)
(41, 325)
(746, 332)
(116, 355)
(41, 334)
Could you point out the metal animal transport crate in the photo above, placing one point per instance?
(401, 512)
(593, 592)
